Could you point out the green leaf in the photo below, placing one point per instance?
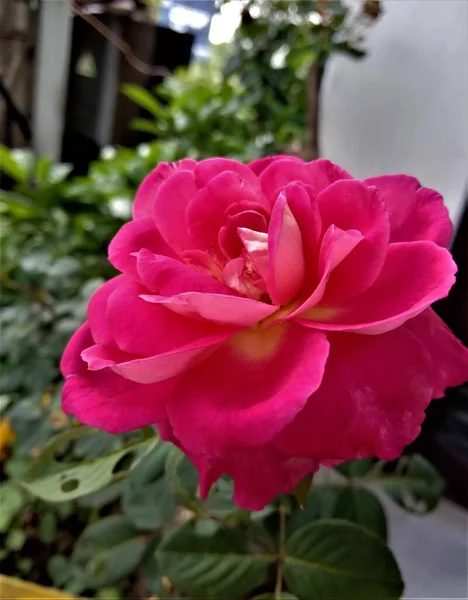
(15, 539)
(145, 125)
(302, 490)
(363, 508)
(58, 569)
(12, 501)
(218, 566)
(182, 477)
(10, 166)
(74, 482)
(273, 596)
(47, 527)
(108, 551)
(143, 98)
(356, 468)
(320, 505)
(332, 559)
(415, 485)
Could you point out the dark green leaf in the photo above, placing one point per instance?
(356, 468)
(219, 566)
(362, 507)
(182, 477)
(415, 485)
(143, 98)
(332, 559)
(320, 505)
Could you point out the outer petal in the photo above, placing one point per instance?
(415, 275)
(259, 474)
(210, 168)
(318, 174)
(145, 329)
(449, 355)
(169, 209)
(349, 205)
(371, 401)
(131, 238)
(260, 164)
(415, 213)
(144, 200)
(233, 311)
(97, 307)
(71, 362)
(105, 400)
(168, 276)
(249, 389)
(285, 254)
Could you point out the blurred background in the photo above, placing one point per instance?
(94, 93)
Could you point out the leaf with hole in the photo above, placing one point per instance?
(362, 507)
(88, 477)
(333, 559)
(216, 566)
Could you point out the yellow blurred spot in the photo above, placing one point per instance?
(7, 437)
(46, 400)
(257, 343)
(16, 589)
(320, 313)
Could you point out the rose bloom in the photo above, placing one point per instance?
(270, 317)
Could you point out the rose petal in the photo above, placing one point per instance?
(144, 200)
(260, 164)
(132, 237)
(206, 210)
(449, 355)
(208, 169)
(371, 400)
(168, 276)
(285, 254)
(233, 311)
(415, 213)
(169, 209)
(351, 205)
(145, 329)
(415, 275)
(249, 389)
(228, 236)
(105, 400)
(97, 307)
(71, 362)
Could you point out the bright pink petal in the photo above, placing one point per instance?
(285, 254)
(97, 308)
(228, 236)
(206, 170)
(260, 164)
(105, 400)
(449, 355)
(415, 275)
(144, 200)
(371, 401)
(157, 368)
(146, 329)
(132, 237)
(169, 209)
(233, 311)
(206, 210)
(249, 389)
(71, 362)
(415, 213)
(318, 174)
(168, 276)
(304, 206)
(256, 245)
(351, 205)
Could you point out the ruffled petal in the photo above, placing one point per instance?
(415, 275)
(97, 307)
(71, 362)
(249, 389)
(206, 170)
(132, 237)
(415, 213)
(371, 401)
(449, 355)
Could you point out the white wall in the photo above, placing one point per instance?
(404, 108)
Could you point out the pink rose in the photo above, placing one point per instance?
(270, 317)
